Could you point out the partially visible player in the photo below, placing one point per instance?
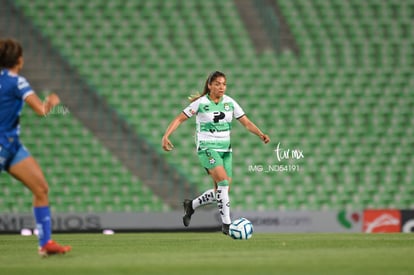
(214, 114)
(14, 157)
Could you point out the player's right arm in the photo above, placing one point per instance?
(188, 112)
(166, 143)
(42, 108)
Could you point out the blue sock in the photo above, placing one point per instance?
(43, 223)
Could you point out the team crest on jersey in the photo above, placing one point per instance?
(226, 107)
(211, 160)
(192, 111)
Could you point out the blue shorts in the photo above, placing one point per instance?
(11, 152)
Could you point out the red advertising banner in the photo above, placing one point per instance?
(381, 221)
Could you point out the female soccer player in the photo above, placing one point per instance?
(14, 157)
(214, 113)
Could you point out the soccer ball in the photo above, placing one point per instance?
(241, 229)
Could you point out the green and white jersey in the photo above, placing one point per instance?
(213, 121)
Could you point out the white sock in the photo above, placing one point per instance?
(207, 197)
(223, 201)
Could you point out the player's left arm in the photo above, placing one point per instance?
(42, 108)
(249, 125)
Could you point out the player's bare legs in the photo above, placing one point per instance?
(30, 174)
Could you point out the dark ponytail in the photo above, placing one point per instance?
(211, 77)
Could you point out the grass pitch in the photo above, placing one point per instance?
(213, 253)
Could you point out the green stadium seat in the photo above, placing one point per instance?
(343, 99)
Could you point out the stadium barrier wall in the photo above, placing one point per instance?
(368, 221)
(388, 221)
(209, 220)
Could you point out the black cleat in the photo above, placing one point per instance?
(225, 228)
(188, 211)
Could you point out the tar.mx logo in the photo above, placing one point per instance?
(59, 110)
(283, 153)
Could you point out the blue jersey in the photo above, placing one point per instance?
(13, 91)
